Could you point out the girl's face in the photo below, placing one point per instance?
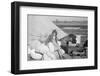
(54, 35)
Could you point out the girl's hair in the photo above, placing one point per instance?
(54, 31)
(50, 37)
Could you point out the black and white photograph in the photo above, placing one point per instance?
(56, 37)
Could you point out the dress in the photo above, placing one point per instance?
(47, 54)
(55, 50)
(40, 51)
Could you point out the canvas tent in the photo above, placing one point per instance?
(41, 26)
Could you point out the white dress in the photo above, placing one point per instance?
(40, 51)
(54, 51)
(47, 55)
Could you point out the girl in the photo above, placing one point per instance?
(54, 45)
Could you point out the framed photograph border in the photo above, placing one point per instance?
(15, 37)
